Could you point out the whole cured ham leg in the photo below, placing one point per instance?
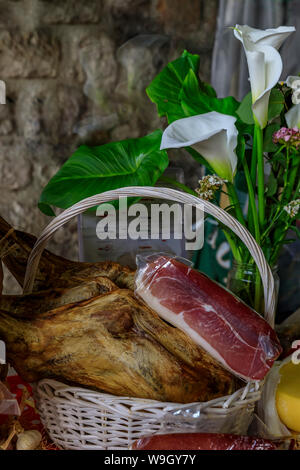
(113, 343)
(25, 306)
(229, 330)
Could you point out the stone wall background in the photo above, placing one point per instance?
(75, 73)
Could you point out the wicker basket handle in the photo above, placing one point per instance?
(158, 193)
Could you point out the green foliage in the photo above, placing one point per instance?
(93, 170)
(272, 185)
(165, 89)
(276, 104)
(194, 101)
(178, 92)
(269, 146)
(244, 110)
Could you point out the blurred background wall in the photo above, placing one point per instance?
(229, 67)
(76, 72)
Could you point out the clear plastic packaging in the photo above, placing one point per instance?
(8, 402)
(289, 331)
(206, 441)
(230, 331)
(269, 422)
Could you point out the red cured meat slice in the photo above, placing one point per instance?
(199, 441)
(224, 326)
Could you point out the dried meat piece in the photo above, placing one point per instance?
(113, 343)
(229, 330)
(55, 271)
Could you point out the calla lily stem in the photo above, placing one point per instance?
(258, 140)
(236, 203)
(254, 217)
(183, 187)
(291, 181)
(260, 176)
(253, 174)
(234, 247)
(254, 161)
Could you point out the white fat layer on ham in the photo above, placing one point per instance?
(145, 283)
(178, 321)
(199, 304)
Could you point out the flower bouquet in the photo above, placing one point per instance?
(253, 145)
(257, 140)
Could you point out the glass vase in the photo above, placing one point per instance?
(244, 281)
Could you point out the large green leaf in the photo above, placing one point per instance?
(164, 90)
(93, 170)
(178, 92)
(194, 101)
(269, 145)
(272, 185)
(244, 111)
(276, 103)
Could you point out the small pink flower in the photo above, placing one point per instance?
(288, 137)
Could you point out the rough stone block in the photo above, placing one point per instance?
(179, 18)
(69, 11)
(15, 165)
(6, 127)
(62, 110)
(48, 110)
(9, 13)
(97, 58)
(28, 54)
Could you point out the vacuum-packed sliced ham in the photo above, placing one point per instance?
(229, 330)
(199, 441)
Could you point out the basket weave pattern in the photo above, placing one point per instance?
(78, 418)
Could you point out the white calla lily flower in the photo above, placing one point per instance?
(213, 135)
(292, 117)
(264, 63)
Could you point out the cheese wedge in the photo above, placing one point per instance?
(288, 396)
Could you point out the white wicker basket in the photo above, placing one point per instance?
(78, 418)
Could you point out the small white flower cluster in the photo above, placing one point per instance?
(208, 185)
(292, 208)
(294, 83)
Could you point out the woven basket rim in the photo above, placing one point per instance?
(254, 388)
